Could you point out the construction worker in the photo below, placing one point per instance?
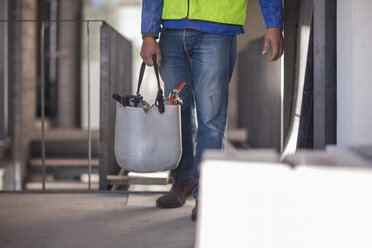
(198, 45)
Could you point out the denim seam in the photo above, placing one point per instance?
(184, 44)
(188, 55)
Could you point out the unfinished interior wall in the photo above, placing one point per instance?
(325, 78)
(256, 85)
(260, 97)
(254, 28)
(23, 38)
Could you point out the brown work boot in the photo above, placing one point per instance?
(178, 194)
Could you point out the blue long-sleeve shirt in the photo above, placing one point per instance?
(272, 11)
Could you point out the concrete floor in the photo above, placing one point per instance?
(92, 220)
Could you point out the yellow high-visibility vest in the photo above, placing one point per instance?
(219, 11)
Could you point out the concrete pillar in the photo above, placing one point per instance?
(24, 77)
(354, 87)
(69, 64)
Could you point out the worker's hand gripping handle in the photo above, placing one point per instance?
(159, 97)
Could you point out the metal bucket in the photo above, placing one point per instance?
(148, 141)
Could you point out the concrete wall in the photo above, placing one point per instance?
(254, 28)
(354, 84)
(325, 76)
(260, 97)
(24, 76)
(255, 90)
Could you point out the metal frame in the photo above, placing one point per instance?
(89, 126)
(43, 105)
(291, 16)
(115, 51)
(116, 77)
(10, 68)
(302, 46)
(3, 72)
(2, 81)
(42, 90)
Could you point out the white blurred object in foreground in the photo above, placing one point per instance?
(270, 204)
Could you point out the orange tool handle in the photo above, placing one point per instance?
(181, 86)
(173, 98)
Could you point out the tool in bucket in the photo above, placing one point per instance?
(142, 142)
(137, 100)
(174, 99)
(132, 101)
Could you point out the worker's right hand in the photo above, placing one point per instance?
(150, 47)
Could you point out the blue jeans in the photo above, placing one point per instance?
(205, 62)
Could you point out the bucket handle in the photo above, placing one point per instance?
(159, 97)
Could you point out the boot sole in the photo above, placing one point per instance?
(193, 218)
(194, 214)
(160, 204)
